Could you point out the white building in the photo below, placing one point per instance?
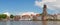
(58, 16)
(27, 15)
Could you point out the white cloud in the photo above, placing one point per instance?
(51, 4)
(28, 13)
(7, 13)
(48, 0)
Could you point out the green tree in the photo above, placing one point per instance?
(3, 16)
(11, 16)
(40, 14)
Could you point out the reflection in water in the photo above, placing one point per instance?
(55, 22)
(44, 22)
(7, 22)
(2, 23)
(29, 22)
(52, 23)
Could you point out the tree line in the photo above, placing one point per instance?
(4, 16)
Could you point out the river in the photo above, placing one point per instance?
(29, 22)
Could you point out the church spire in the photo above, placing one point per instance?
(44, 14)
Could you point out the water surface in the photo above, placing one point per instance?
(29, 22)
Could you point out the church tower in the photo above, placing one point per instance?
(44, 14)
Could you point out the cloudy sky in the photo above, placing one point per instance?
(52, 5)
(19, 6)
